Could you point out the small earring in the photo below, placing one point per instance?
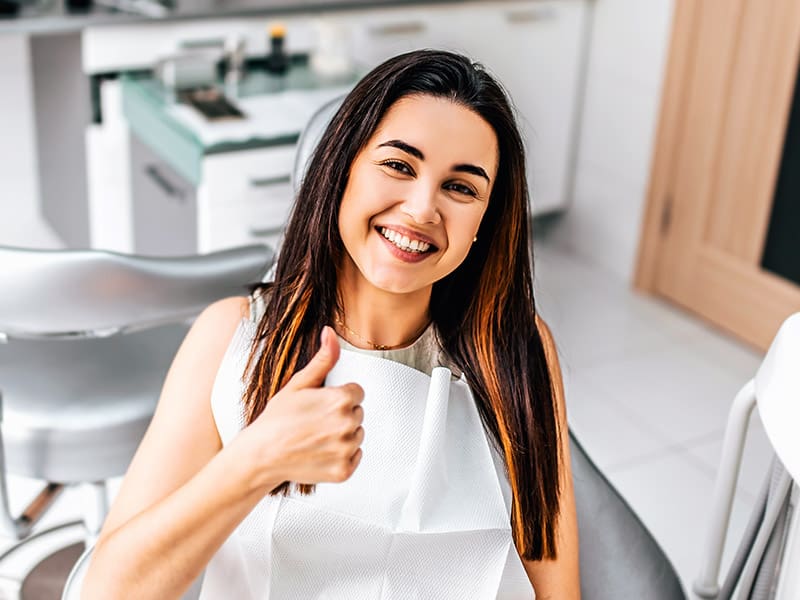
(475, 239)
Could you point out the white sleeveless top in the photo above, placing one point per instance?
(426, 515)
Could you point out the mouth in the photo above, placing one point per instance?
(406, 241)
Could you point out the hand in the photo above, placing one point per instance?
(308, 433)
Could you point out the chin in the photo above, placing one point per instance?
(396, 285)
(395, 288)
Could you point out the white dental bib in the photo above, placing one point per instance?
(424, 516)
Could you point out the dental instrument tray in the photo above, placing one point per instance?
(211, 103)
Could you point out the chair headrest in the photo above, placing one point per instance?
(778, 394)
(93, 293)
(310, 137)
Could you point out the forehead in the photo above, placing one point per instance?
(443, 130)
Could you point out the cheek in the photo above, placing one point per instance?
(364, 195)
(462, 233)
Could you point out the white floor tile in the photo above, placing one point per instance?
(725, 351)
(676, 390)
(608, 431)
(594, 318)
(671, 496)
(756, 457)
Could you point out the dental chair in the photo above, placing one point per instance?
(86, 338)
(765, 565)
(619, 558)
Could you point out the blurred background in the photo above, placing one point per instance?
(662, 142)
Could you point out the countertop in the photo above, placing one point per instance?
(42, 17)
(276, 110)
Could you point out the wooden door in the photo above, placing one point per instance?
(730, 83)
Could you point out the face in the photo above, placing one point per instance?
(416, 194)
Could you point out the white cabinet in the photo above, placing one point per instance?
(380, 34)
(536, 49)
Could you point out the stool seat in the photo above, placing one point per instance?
(76, 410)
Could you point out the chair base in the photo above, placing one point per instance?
(46, 579)
(38, 566)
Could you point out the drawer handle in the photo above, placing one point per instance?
(265, 231)
(407, 28)
(164, 183)
(269, 181)
(533, 15)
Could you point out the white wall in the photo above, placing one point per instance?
(628, 55)
(19, 194)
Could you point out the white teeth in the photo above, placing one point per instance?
(403, 242)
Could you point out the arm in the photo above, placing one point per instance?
(184, 494)
(559, 578)
(181, 496)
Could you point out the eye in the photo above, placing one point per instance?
(461, 188)
(398, 165)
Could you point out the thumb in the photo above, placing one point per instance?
(313, 374)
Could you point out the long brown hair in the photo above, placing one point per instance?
(484, 311)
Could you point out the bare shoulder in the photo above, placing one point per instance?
(204, 346)
(554, 367)
(213, 329)
(224, 314)
(547, 337)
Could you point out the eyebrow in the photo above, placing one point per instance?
(417, 153)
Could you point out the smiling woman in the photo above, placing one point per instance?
(386, 418)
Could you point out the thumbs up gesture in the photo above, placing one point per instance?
(309, 433)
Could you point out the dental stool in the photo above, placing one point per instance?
(86, 338)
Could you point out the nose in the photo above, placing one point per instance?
(421, 204)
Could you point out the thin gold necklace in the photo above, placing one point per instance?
(340, 321)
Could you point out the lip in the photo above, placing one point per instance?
(407, 257)
(410, 233)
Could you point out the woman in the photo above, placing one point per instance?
(402, 310)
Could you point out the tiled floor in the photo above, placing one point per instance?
(648, 390)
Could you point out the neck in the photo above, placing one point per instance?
(379, 317)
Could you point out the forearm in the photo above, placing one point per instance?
(161, 551)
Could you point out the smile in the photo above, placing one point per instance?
(404, 242)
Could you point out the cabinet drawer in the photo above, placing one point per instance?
(267, 203)
(379, 35)
(258, 216)
(163, 206)
(232, 174)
